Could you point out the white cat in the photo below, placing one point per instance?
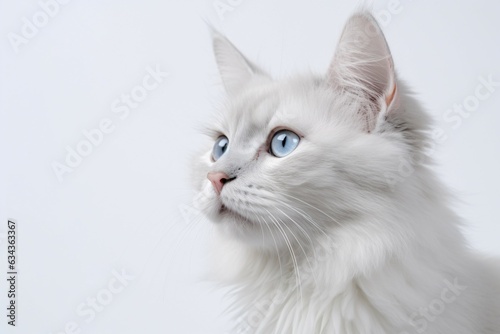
(317, 229)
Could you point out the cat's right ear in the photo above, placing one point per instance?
(363, 66)
(235, 70)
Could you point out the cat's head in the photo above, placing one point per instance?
(290, 159)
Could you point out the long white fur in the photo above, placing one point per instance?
(335, 238)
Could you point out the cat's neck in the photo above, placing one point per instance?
(351, 280)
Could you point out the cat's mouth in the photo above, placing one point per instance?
(224, 211)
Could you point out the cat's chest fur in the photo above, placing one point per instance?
(399, 298)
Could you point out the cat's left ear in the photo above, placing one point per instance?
(363, 65)
(234, 68)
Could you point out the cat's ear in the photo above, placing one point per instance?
(235, 70)
(363, 64)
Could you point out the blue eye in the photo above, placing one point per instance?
(220, 147)
(283, 143)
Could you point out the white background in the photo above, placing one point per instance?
(126, 206)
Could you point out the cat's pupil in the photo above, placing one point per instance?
(284, 141)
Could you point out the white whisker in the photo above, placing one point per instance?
(290, 249)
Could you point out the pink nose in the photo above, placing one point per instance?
(218, 180)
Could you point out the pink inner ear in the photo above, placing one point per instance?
(389, 98)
